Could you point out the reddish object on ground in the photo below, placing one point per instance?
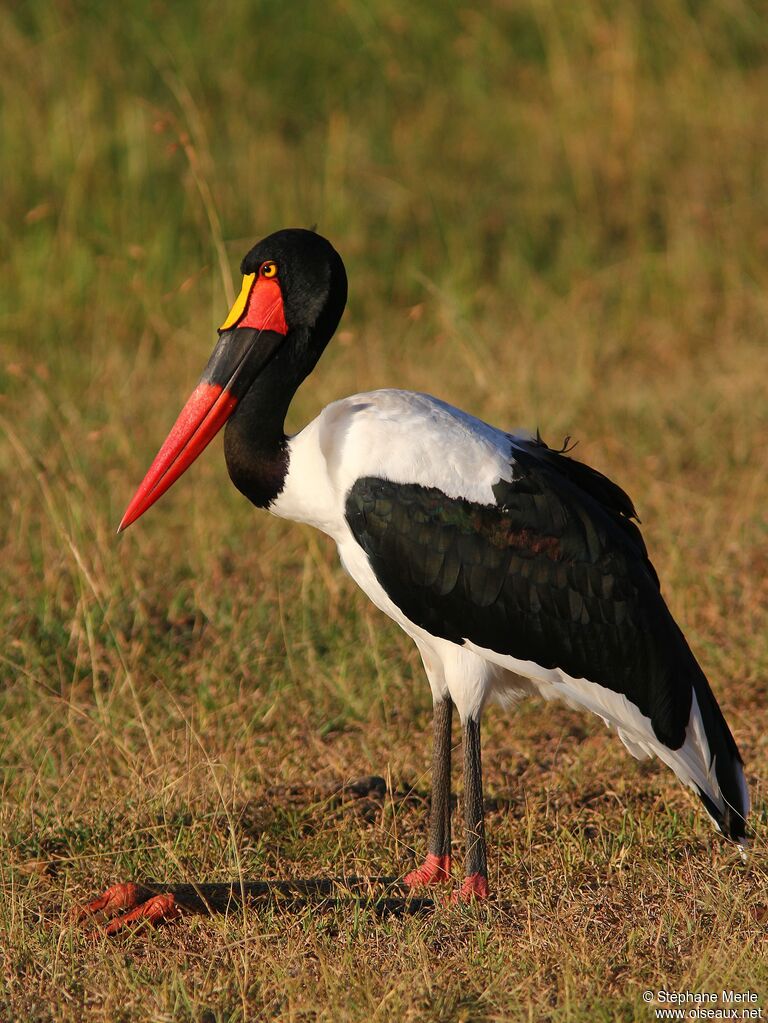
(157, 910)
(473, 887)
(119, 897)
(434, 870)
(143, 906)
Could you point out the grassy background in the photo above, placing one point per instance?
(552, 215)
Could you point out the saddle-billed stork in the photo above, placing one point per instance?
(514, 568)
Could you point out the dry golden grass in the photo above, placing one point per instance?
(551, 215)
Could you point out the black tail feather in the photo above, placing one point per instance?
(729, 768)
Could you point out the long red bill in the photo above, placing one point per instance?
(208, 409)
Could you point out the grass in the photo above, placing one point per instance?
(552, 215)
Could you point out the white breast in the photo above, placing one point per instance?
(400, 436)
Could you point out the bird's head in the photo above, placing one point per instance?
(293, 294)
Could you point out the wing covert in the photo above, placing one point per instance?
(549, 574)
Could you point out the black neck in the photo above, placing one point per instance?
(255, 445)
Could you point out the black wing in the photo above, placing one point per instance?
(554, 572)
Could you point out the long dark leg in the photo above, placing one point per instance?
(437, 866)
(476, 870)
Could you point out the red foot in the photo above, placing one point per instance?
(117, 898)
(434, 870)
(473, 887)
(157, 910)
(143, 907)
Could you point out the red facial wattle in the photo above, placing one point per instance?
(265, 307)
(260, 303)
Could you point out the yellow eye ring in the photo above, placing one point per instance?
(269, 269)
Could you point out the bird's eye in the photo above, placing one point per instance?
(269, 269)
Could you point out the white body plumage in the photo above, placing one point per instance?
(408, 438)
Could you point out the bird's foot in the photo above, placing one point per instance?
(135, 904)
(475, 886)
(434, 870)
(118, 898)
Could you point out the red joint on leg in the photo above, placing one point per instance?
(157, 910)
(119, 897)
(434, 870)
(475, 886)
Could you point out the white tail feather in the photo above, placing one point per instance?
(693, 762)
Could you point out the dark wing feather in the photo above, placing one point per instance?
(554, 572)
(614, 502)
